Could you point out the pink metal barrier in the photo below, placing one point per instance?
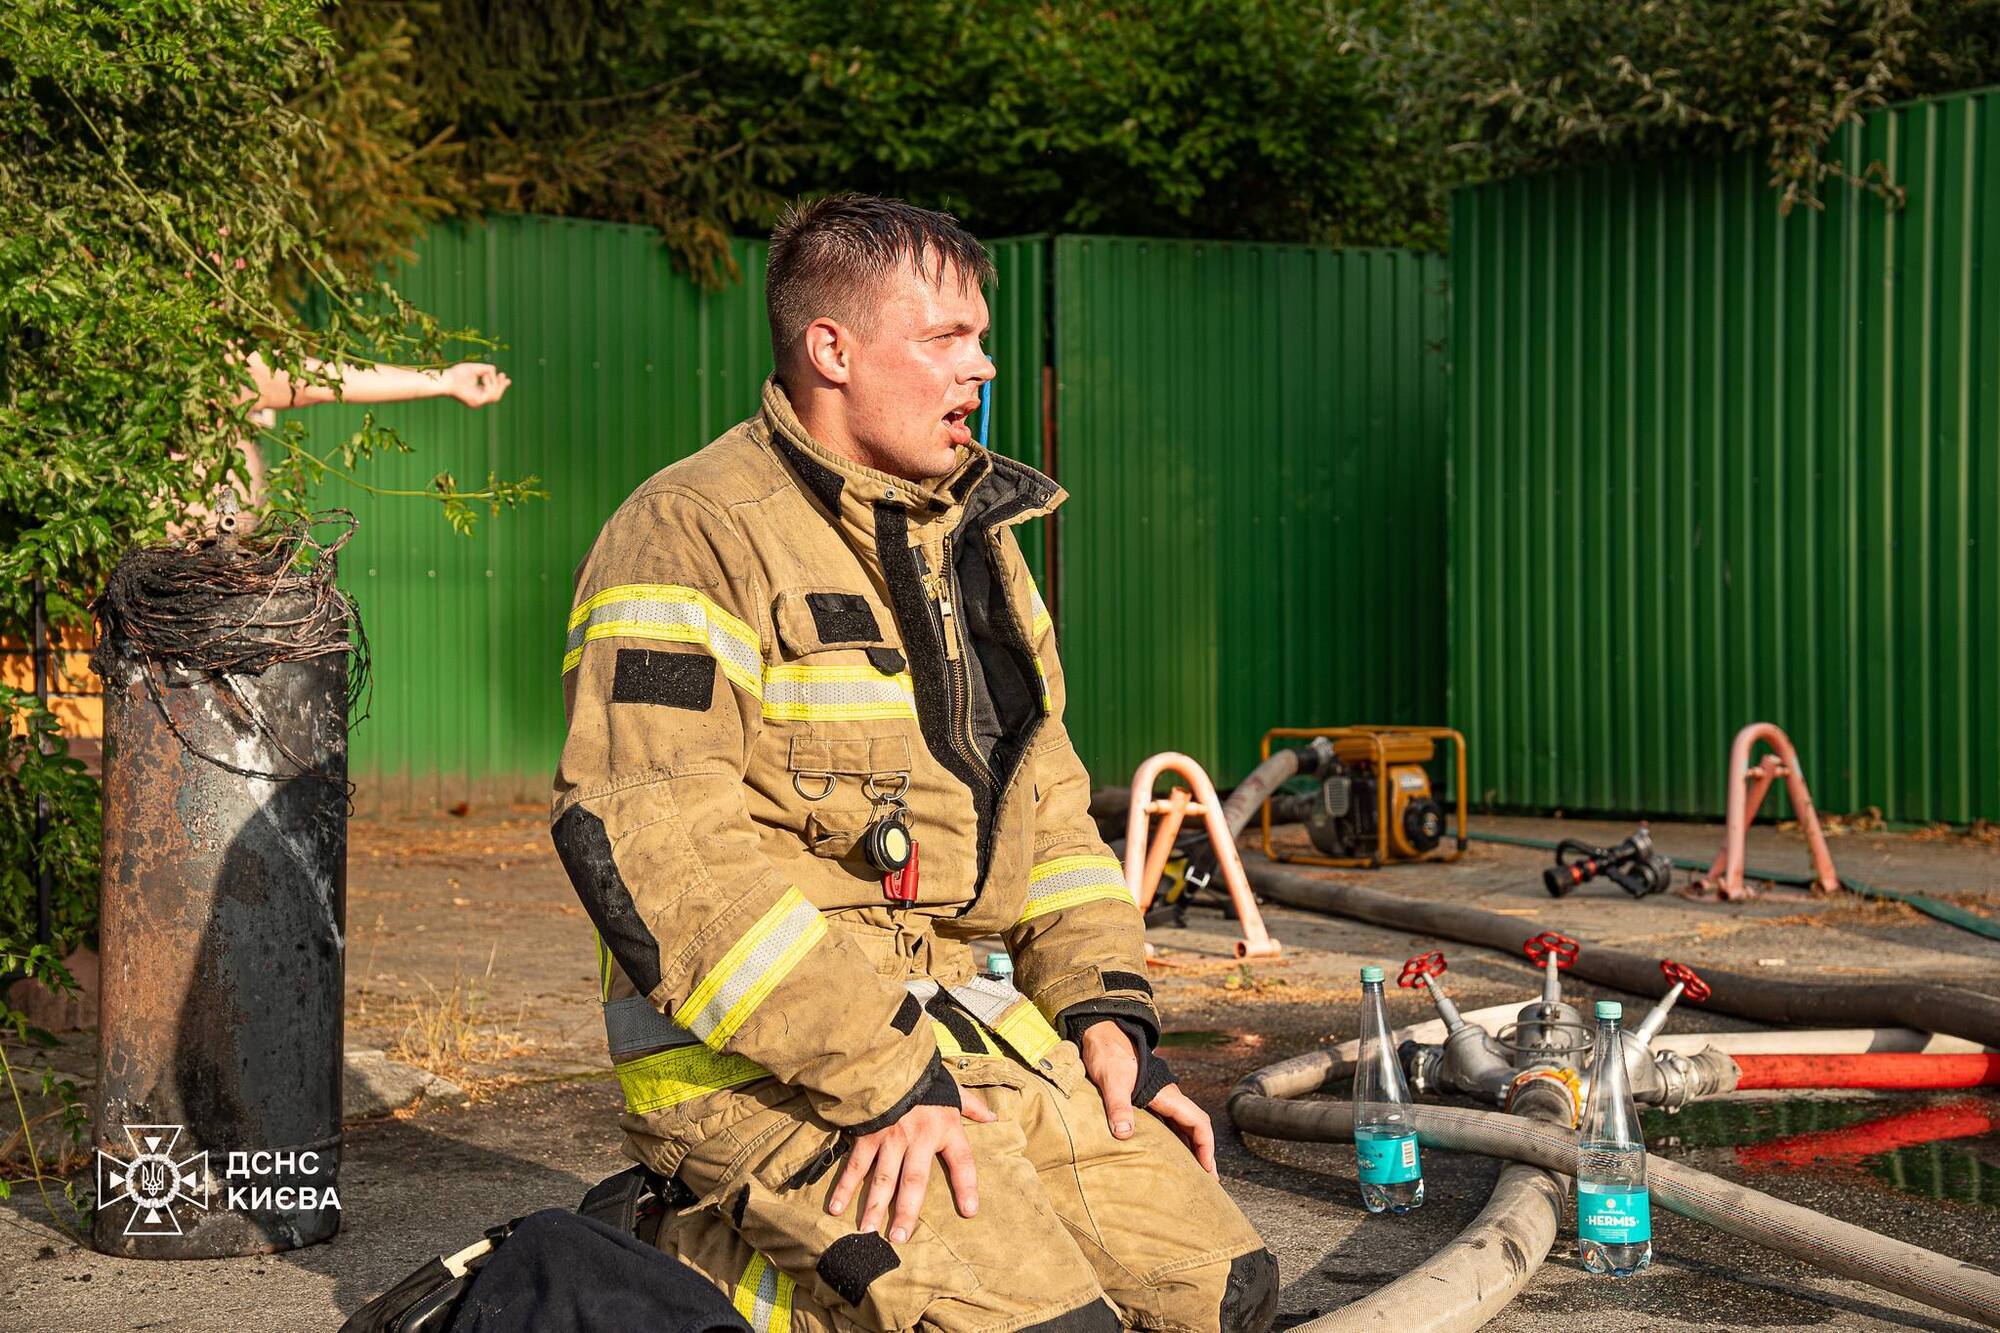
(1747, 788)
(1146, 858)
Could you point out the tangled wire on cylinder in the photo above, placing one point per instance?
(221, 607)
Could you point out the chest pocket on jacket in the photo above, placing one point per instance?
(842, 677)
(839, 666)
(844, 785)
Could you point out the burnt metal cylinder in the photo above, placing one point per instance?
(222, 941)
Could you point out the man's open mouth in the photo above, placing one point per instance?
(955, 423)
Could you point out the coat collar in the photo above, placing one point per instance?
(849, 491)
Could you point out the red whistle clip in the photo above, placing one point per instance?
(900, 886)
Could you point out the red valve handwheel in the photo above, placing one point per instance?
(1417, 969)
(1692, 986)
(1549, 942)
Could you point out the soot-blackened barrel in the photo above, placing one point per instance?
(224, 903)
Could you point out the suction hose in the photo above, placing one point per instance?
(1261, 1104)
(1923, 1005)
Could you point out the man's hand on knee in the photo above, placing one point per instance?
(896, 1163)
(1112, 1063)
(1188, 1120)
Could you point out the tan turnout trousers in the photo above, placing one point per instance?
(1068, 1215)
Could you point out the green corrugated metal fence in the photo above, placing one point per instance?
(620, 366)
(1711, 465)
(1253, 437)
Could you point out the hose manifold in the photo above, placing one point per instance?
(1553, 1095)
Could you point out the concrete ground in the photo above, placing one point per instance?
(467, 955)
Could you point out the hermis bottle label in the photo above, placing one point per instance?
(1613, 1214)
(1387, 1156)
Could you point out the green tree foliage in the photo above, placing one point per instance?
(581, 108)
(1223, 118)
(149, 230)
(1347, 122)
(35, 767)
(375, 171)
(1491, 88)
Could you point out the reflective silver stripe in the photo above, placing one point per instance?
(1070, 881)
(632, 1025)
(767, 1298)
(667, 611)
(764, 1297)
(987, 998)
(752, 968)
(837, 693)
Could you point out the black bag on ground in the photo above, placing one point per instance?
(561, 1273)
(557, 1272)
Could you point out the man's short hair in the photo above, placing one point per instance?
(828, 257)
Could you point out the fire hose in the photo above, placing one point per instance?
(1484, 1276)
(1263, 1104)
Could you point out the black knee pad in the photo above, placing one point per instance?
(1250, 1297)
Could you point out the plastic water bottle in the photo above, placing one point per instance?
(1614, 1211)
(1385, 1131)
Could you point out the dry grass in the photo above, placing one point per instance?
(1981, 833)
(449, 1031)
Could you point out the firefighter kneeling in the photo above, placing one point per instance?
(815, 748)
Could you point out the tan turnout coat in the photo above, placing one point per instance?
(767, 643)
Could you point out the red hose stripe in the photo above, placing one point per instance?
(1885, 1071)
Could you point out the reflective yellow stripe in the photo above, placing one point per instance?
(764, 1296)
(1042, 677)
(751, 969)
(1027, 1032)
(946, 1043)
(671, 613)
(668, 1078)
(603, 971)
(837, 694)
(949, 1045)
(781, 1308)
(745, 1297)
(1070, 880)
(1043, 620)
(668, 612)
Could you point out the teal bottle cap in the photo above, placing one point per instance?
(1371, 974)
(1609, 1009)
(999, 965)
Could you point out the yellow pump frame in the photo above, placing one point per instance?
(1376, 737)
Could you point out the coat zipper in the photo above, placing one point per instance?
(961, 690)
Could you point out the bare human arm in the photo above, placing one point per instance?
(474, 383)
